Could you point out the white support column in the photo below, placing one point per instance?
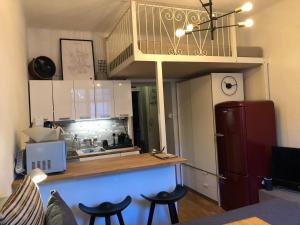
(267, 79)
(134, 27)
(161, 105)
(233, 41)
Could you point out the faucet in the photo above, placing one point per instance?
(76, 142)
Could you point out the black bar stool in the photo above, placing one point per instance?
(166, 198)
(107, 210)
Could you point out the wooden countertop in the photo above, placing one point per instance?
(109, 166)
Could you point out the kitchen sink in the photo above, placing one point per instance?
(91, 150)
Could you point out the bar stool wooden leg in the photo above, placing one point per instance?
(120, 218)
(151, 212)
(92, 220)
(173, 213)
(107, 220)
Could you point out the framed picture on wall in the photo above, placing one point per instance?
(77, 59)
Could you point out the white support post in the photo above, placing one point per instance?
(267, 80)
(134, 28)
(233, 41)
(161, 105)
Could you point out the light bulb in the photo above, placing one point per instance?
(37, 175)
(190, 27)
(246, 23)
(247, 7)
(180, 33)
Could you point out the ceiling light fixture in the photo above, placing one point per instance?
(191, 28)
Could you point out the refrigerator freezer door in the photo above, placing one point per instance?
(234, 191)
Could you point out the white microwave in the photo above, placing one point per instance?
(51, 157)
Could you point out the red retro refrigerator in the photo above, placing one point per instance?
(245, 134)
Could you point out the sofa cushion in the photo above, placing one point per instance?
(2, 201)
(58, 212)
(24, 206)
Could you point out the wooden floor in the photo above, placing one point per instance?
(194, 206)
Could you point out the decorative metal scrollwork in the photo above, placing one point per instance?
(200, 52)
(157, 27)
(173, 51)
(179, 15)
(167, 14)
(193, 17)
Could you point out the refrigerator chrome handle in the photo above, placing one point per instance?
(222, 177)
(219, 135)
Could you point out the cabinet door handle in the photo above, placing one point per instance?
(64, 118)
(85, 117)
(219, 135)
(124, 115)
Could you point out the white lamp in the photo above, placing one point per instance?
(190, 27)
(246, 23)
(37, 175)
(180, 33)
(247, 7)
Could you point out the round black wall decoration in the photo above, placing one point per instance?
(42, 68)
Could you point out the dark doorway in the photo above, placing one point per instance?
(145, 118)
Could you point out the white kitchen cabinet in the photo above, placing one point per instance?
(185, 120)
(196, 101)
(200, 181)
(41, 105)
(104, 99)
(84, 93)
(63, 100)
(123, 98)
(202, 129)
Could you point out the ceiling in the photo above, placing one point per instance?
(97, 15)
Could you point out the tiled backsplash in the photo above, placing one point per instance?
(100, 129)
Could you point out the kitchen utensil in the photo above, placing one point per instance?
(114, 138)
(121, 138)
(104, 143)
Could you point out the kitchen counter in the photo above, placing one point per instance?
(112, 179)
(109, 166)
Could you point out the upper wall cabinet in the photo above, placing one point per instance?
(84, 99)
(104, 99)
(123, 98)
(63, 99)
(41, 106)
(79, 100)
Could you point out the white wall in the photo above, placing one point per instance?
(46, 42)
(277, 30)
(14, 88)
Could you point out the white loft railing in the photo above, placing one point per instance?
(157, 25)
(119, 42)
(148, 28)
